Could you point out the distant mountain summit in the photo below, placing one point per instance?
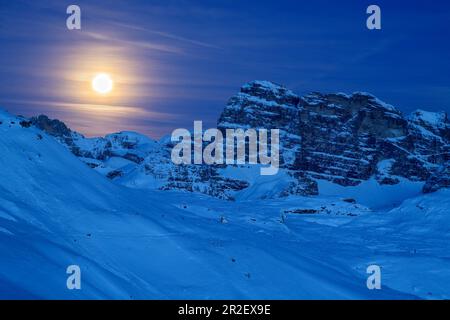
(340, 138)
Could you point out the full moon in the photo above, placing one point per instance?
(102, 83)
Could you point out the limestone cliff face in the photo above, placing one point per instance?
(342, 138)
(343, 135)
(266, 105)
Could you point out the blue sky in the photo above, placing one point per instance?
(174, 62)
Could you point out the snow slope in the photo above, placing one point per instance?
(134, 244)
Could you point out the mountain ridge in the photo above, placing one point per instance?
(342, 138)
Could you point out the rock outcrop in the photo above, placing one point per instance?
(438, 180)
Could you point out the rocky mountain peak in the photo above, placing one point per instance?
(430, 119)
(437, 123)
(270, 91)
(341, 137)
(53, 127)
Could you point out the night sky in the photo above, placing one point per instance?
(174, 62)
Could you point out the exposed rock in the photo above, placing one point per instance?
(302, 211)
(114, 174)
(53, 127)
(266, 105)
(439, 180)
(25, 124)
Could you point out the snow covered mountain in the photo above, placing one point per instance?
(345, 139)
(357, 156)
(153, 241)
(134, 160)
(132, 244)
